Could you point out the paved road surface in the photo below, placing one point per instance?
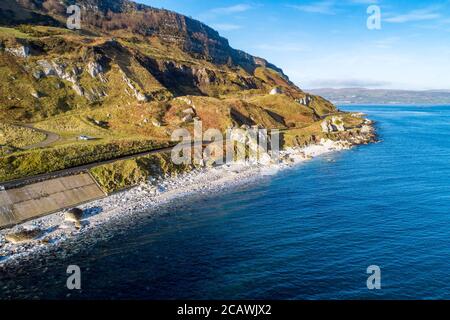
(51, 137)
(75, 170)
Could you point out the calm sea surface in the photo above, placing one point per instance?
(306, 233)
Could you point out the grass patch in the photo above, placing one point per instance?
(124, 174)
(293, 113)
(61, 157)
(19, 137)
(11, 32)
(302, 136)
(72, 125)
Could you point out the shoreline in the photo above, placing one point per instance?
(147, 197)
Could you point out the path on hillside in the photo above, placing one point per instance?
(50, 137)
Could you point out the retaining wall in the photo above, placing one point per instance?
(38, 199)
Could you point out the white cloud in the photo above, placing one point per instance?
(362, 65)
(323, 7)
(330, 7)
(226, 26)
(386, 43)
(231, 9)
(282, 47)
(215, 13)
(364, 1)
(415, 15)
(347, 83)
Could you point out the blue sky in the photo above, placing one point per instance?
(326, 43)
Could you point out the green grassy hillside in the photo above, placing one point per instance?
(125, 81)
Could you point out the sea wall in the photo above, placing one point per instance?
(34, 200)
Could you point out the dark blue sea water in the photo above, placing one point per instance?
(306, 233)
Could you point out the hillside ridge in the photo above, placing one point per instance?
(131, 76)
(189, 34)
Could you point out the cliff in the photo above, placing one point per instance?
(127, 79)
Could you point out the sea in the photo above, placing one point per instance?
(309, 232)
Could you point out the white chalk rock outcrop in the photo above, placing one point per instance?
(137, 94)
(47, 68)
(189, 111)
(186, 100)
(21, 51)
(59, 69)
(94, 69)
(306, 101)
(275, 91)
(35, 94)
(335, 124)
(187, 118)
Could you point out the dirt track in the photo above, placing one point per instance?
(51, 137)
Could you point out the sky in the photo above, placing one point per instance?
(326, 43)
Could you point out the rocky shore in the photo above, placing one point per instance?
(41, 235)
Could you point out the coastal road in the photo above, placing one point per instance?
(50, 137)
(74, 170)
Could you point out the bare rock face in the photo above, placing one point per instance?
(275, 91)
(186, 100)
(325, 126)
(188, 34)
(203, 76)
(141, 97)
(189, 111)
(306, 101)
(367, 129)
(156, 123)
(335, 124)
(94, 69)
(187, 118)
(20, 52)
(38, 74)
(63, 72)
(57, 69)
(78, 89)
(188, 114)
(137, 94)
(47, 68)
(36, 94)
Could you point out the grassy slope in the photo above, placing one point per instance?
(19, 137)
(229, 96)
(124, 174)
(44, 160)
(303, 136)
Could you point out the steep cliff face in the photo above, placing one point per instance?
(190, 35)
(124, 53)
(14, 12)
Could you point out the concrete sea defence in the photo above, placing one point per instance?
(31, 201)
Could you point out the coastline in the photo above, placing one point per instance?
(154, 194)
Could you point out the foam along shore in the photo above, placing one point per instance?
(40, 235)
